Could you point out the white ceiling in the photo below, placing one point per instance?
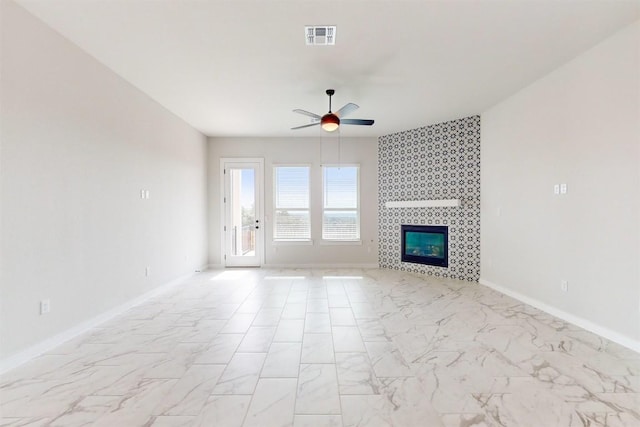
(238, 68)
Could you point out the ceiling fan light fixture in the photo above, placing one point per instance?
(330, 122)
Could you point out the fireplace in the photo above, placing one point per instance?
(425, 244)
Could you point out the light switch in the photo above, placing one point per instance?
(556, 189)
(563, 188)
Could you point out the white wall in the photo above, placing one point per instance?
(78, 145)
(579, 125)
(363, 151)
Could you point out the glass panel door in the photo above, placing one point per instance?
(243, 215)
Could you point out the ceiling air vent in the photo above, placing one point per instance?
(320, 35)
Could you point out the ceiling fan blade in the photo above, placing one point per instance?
(363, 122)
(347, 109)
(306, 126)
(307, 113)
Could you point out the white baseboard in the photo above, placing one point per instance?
(42, 347)
(202, 268)
(576, 320)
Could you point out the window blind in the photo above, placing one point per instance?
(341, 216)
(291, 216)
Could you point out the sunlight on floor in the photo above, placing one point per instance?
(231, 275)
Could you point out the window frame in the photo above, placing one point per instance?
(358, 240)
(297, 241)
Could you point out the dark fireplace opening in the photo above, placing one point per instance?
(425, 244)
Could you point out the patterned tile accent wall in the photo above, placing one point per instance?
(441, 161)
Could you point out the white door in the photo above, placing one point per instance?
(243, 215)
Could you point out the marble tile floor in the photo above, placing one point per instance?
(311, 347)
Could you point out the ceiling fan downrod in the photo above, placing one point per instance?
(330, 122)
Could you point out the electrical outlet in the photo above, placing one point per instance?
(45, 306)
(564, 285)
(147, 271)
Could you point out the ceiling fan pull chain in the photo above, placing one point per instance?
(339, 148)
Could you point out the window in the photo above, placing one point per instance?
(291, 193)
(341, 203)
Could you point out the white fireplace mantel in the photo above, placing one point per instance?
(423, 203)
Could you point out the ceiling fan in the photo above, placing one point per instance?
(331, 121)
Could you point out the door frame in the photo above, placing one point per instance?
(260, 184)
